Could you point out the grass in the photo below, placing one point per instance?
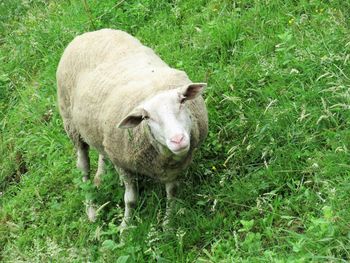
(271, 183)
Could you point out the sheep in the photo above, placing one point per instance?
(118, 97)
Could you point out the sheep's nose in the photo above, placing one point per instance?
(177, 139)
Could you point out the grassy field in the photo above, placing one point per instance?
(271, 183)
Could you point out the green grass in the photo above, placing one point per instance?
(271, 183)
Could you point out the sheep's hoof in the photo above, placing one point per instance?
(91, 213)
(123, 226)
(97, 181)
(123, 233)
(167, 224)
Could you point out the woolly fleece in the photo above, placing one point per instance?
(101, 77)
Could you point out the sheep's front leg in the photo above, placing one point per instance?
(130, 198)
(171, 191)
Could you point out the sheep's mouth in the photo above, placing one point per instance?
(180, 151)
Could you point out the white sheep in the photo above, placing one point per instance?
(108, 82)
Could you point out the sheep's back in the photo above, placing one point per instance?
(91, 50)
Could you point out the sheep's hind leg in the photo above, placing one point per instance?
(100, 170)
(130, 197)
(83, 161)
(171, 190)
(83, 164)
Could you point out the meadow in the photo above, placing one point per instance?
(270, 184)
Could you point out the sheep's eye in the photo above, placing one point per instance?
(145, 117)
(182, 100)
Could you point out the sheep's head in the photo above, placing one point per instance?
(167, 116)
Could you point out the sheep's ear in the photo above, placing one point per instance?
(133, 119)
(193, 90)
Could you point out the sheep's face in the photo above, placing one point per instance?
(167, 116)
